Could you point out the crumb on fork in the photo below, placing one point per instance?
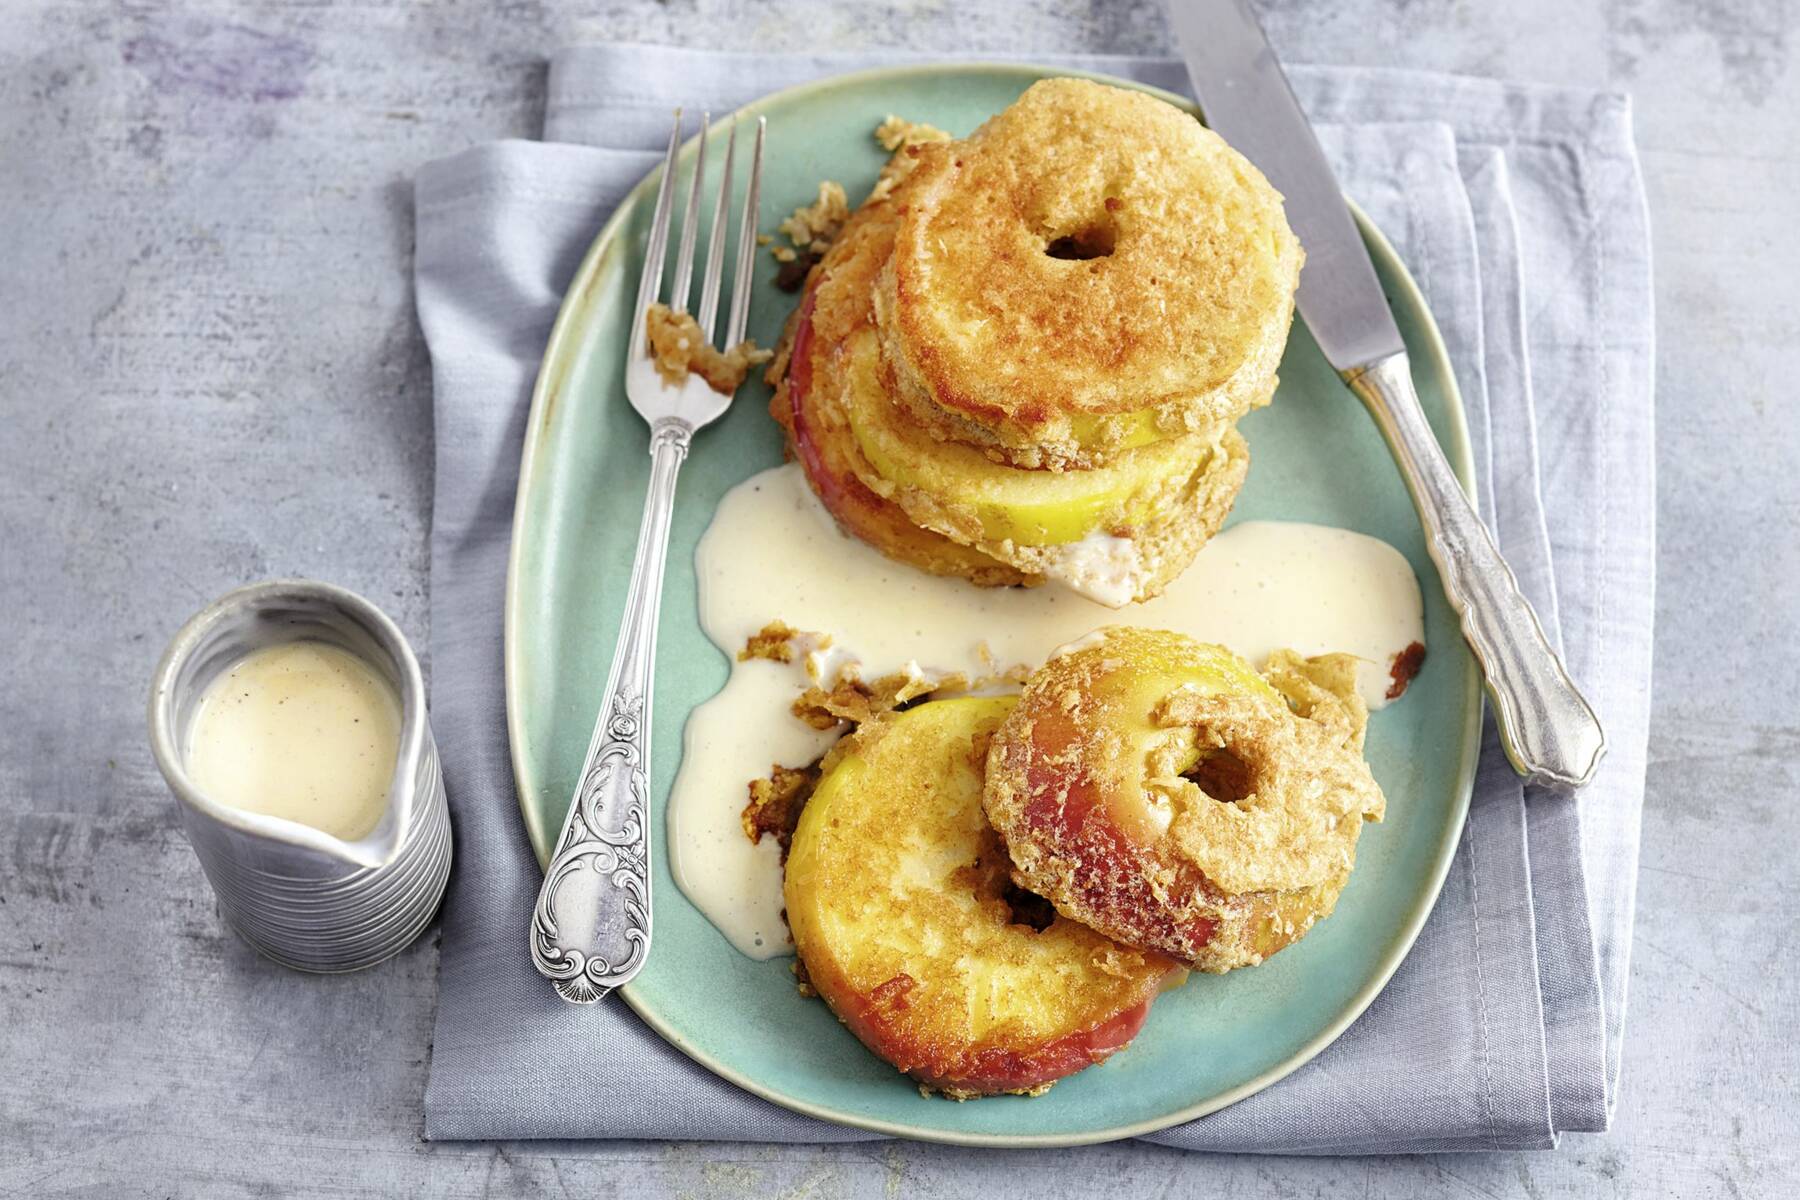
(678, 348)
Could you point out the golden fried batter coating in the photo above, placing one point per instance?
(1119, 532)
(898, 898)
(1091, 269)
(809, 368)
(1158, 790)
(949, 509)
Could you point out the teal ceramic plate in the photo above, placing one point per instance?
(1315, 456)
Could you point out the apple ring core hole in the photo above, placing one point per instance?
(1096, 239)
(1223, 775)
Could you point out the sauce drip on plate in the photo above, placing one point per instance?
(772, 553)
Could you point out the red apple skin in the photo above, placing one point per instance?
(973, 1069)
(1074, 825)
(861, 512)
(1063, 809)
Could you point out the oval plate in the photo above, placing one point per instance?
(1315, 457)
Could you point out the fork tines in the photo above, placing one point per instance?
(656, 251)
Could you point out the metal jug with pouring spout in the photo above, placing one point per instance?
(299, 895)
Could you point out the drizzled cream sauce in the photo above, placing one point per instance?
(773, 553)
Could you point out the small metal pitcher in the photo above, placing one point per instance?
(299, 895)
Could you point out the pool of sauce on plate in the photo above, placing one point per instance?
(305, 731)
(773, 553)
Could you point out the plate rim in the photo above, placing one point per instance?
(560, 348)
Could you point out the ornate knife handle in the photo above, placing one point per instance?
(1549, 730)
(590, 931)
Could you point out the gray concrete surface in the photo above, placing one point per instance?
(177, 416)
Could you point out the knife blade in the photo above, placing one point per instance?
(1547, 728)
(1247, 100)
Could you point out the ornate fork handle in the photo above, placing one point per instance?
(1547, 727)
(590, 931)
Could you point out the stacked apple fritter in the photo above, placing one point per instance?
(1024, 356)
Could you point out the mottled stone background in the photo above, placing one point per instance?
(210, 373)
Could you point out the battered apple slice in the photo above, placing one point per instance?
(897, 892)
(1161, 791)
(823, 453)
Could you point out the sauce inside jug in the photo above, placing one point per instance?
(305, 731)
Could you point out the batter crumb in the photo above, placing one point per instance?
(853, 700)
(898, 132)
(774, 641)
(776, 803)
(679, 349)
(813, 226)
(803, 981)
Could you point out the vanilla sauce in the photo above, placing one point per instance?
(305, 731)
(772, 553)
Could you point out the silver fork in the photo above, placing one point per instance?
(591, 928)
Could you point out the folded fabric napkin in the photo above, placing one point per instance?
(1521, 213)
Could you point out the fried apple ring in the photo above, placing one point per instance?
(1160, 791)
(809, 364)
(896, 891)
(1118, 533)
(1091, 270)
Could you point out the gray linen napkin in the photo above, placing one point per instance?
(1521, 213)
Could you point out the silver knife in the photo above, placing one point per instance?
(1549, 730)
